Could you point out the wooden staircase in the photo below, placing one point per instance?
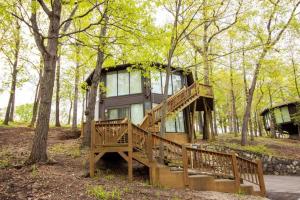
(171, 164)
(176, 103)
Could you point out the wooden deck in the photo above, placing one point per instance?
(158, 153)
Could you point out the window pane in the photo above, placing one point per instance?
(123, 112)
(147, 106)
(163, 77)
(156, 82)
(285, 114)
(111, 84)
(177, 84)
(113, 114)
(137, 113)
(135, 82)
(278, 116)
(170, 125)
(179, 122)
(123, 82)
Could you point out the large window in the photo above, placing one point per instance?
(118, 113)
(135, 112)
(282, 115)
(158, 83)
(174, 124)
(111, 84)
(163, 80)
(123, 83)
(177, 84)
(135, 82)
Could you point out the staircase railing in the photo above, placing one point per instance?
(173, 154)
(252, 172)
(176, 101)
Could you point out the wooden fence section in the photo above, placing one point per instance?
(126, 138)
(252, 172)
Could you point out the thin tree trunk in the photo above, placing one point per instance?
(39, 147)
(12, 107)
(272, 120)
(83, 108)
(233, 104)
(74, 121)
(37, 95)
(57, 97)
(11, 103)
(295, 76)
(90, 112)
(70, 111)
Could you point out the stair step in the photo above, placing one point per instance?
(246, 189)
(225, 185)
(201, 182)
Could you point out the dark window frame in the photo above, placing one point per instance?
(129, 78)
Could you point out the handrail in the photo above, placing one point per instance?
(210, 162)
(188, 158)
(252, 172)
(176, 101)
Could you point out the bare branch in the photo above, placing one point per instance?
(45, 8)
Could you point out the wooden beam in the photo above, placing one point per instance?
(123, 155)
(92, 164)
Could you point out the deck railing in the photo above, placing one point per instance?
(157, 148)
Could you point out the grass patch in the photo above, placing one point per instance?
(13, 124)
(5, 156)
(34, 171)
(72, 150)
(100, 193)
(261, 149)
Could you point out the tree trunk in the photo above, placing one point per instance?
(11, 102)
(57, 97)
(90, 112)
(295, 76)
(74, 120)
(233, 104)
(39, 147)
(70, 111)
(83, 108)
(250, 98)
(12, 107)
(36, 97)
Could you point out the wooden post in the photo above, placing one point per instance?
(261, 178)
(130, 149)
(185, 165)
(92, 153)
(92, 163)
(235, 170)
(149, 147)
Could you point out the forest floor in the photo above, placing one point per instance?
(64, 178)
(282, 147)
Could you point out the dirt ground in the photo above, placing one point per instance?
(64, 179)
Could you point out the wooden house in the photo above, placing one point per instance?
(130, 92)
(284, 118)
(127, 120)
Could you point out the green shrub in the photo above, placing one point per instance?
(100, 193)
